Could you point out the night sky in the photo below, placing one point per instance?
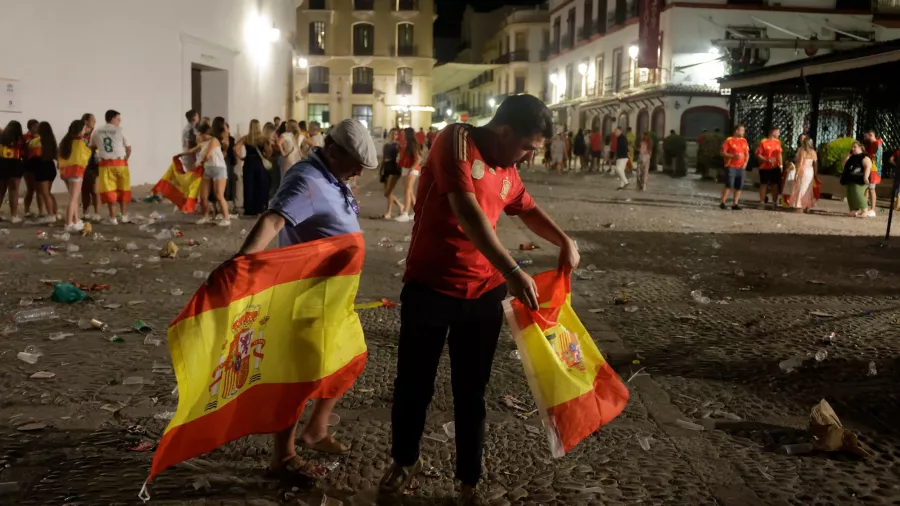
(450, 13)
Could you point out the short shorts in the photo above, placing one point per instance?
(11, 168)
(44, 171)
(770, 177)
(405, 171)
(215, 173)
(734, 178)
(596, 154)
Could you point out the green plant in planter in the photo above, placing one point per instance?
(674, 147)
(709, 152)
(831, 155)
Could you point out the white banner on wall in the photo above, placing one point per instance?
(9, 91)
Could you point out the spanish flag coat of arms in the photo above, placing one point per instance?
(266, 334)
(575, 389)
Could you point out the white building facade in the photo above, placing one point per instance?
(595, 81)
(511, 47)
(151, 61)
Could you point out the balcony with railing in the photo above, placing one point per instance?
(364, 5)
(362, 88)
(404, 5)
(545, 53)
(512, 56)
(318, 87)
(316, 50)
(887, 8)
(554, 46)
(633, 79)
(485, 77)
(404, 88)
(586, 31)
(568, 41)
(537, 14)
(404, 50)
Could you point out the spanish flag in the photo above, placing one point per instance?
(180, 186)
(575, 390)
(266, 334)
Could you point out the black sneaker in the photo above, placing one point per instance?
(468, 496)
(736, 207)
(723, 206)
(395, 481)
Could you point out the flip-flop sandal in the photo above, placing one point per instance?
(327, 444)
(296, 469)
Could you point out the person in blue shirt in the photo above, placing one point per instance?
(314, 202)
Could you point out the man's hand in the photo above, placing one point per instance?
(522, 287)
(569, 258)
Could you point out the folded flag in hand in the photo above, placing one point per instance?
(575, 389)
(180, 186)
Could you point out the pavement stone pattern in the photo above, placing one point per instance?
(765, 272)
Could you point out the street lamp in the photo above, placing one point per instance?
(492, 102)
(633, 52)
(302, 62)
(714, 50)
(582, 68)
(554, 78)
(449, 112)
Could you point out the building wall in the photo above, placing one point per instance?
(339, 59)
(136, 58)
(686, 53)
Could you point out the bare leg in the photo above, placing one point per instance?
(46, 197)
(725, 192)
(112, 210)
(74, 188)
(12, 188)
(737, 196)
(317, 427)
(874, 198)
(389, 194)
(219, 185)
(30, 191)
(763, 191)
(3, 184)
(123, 206)
(204, 196)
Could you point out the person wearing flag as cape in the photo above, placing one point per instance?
(314, 202)
(457, 276)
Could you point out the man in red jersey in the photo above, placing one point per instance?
(457, 275)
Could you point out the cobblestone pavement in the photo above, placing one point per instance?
(765, 273)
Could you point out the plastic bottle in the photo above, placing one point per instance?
(34, 315)
(873, 371)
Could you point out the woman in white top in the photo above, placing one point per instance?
(289, 145)
(215, 172)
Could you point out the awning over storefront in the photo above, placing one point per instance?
(447, 76)
(837, 61)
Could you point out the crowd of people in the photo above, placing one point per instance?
(795, 184)
(404, 153)
(93, 163)
(587, 150)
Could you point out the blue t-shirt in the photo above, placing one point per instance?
(314, 203)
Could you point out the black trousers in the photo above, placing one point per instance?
(472, 327)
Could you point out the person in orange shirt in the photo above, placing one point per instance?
(770, 165)
(596, 150)
(736, 153)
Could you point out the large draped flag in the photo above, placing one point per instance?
(575, 389)
(180, 186)
(268, 332)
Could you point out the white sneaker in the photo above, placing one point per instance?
(219, 217)
(111, 221)
(47, 220)
(224, 223)
(125, 218)
(203, 221)
(871, 214)
(97, 218)
(15, 220)
(403, 218)
(77, 227)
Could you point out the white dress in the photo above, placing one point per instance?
(293, 152)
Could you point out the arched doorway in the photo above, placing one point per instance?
(609, 124)
(596, 123)
(643, 122)
(658, 121)
(704, 117)
(623, 121)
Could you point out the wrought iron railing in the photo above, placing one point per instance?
(404, 88)
(404, 50)
(363, 88)
(405, 5)
(364, 5)
(315, 87)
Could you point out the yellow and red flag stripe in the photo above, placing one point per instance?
(574, 387)
(180, 186)
(266, 334)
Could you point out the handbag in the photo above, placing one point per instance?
(267, 164)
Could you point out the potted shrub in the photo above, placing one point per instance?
(674, 148)
(709, 154)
